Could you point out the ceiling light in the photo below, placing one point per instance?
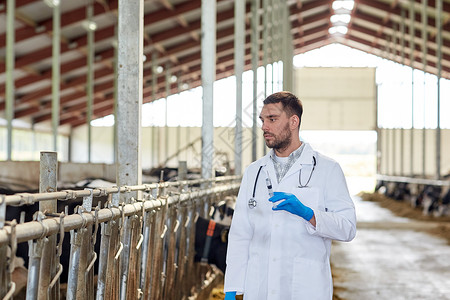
(346, 4)
(185, 86)
(173, 78)
(159, 69)
(89, 25)
(338, 30)
(52, 3)
(340, 18)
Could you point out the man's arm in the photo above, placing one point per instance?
(338, 222)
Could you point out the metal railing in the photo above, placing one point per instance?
(413, 180)
(146, 240)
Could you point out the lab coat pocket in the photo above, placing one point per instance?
(309, 196)
(309, 280)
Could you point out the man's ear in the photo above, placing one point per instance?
(294, 122)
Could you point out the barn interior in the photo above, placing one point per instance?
(148, 110)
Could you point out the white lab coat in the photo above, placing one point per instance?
(278, 255)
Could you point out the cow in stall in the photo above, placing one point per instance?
(431, 196)
(443, 208)
(401, 192)
(211, 238)
(396, 190)
(380, 187)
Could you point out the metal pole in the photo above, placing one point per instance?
(239, 52)
(34, 264)
(129, 90)
(125, 257)
(385, 149)
(411, 62)
(255, 61)
(393, 50)
(70, 144)
(90, 76)
(178, 142)
(387, 131)
(287, 49)
(10, 60)
(273, 33)
(265, 54)
(155, 142)
(182, 170)
(265, 42)
(208, 48)
(166, 112)
(188, 139)
(48, 178)
(280, 46)
(424, 62)
(439, 67)
(116, 55)
(402, 130)
(34, 140)
(56, 72)
(378, 130)
(155, 145)
(394, 151)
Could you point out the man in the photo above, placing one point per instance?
(279, 246)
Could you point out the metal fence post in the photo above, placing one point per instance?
(48, 183)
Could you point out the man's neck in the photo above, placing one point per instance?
(288, 150)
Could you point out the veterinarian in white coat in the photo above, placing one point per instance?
(279, 246)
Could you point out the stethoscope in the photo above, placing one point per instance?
(300, 185)
(252, 201)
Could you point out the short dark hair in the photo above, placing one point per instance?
(291, 104)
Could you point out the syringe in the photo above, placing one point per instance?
(269, 186)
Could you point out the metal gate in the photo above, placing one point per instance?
(145, 243)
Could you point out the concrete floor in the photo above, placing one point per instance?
(388, 261)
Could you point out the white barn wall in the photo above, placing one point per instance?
(153, 155)
(337, 98)
(387, 155)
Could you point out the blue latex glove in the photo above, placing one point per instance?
(230, 296)
(292, 205)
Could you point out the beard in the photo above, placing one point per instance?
(280, 141)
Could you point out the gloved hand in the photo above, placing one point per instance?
(291, 204)
(230, 296)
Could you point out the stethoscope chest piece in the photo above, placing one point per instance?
(252, 203)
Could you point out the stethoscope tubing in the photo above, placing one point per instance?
(252, 202)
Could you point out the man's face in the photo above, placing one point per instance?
(275, 125)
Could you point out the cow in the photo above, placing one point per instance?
(211, 237)
(211, 242)
(444, 206)
(431, 195)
